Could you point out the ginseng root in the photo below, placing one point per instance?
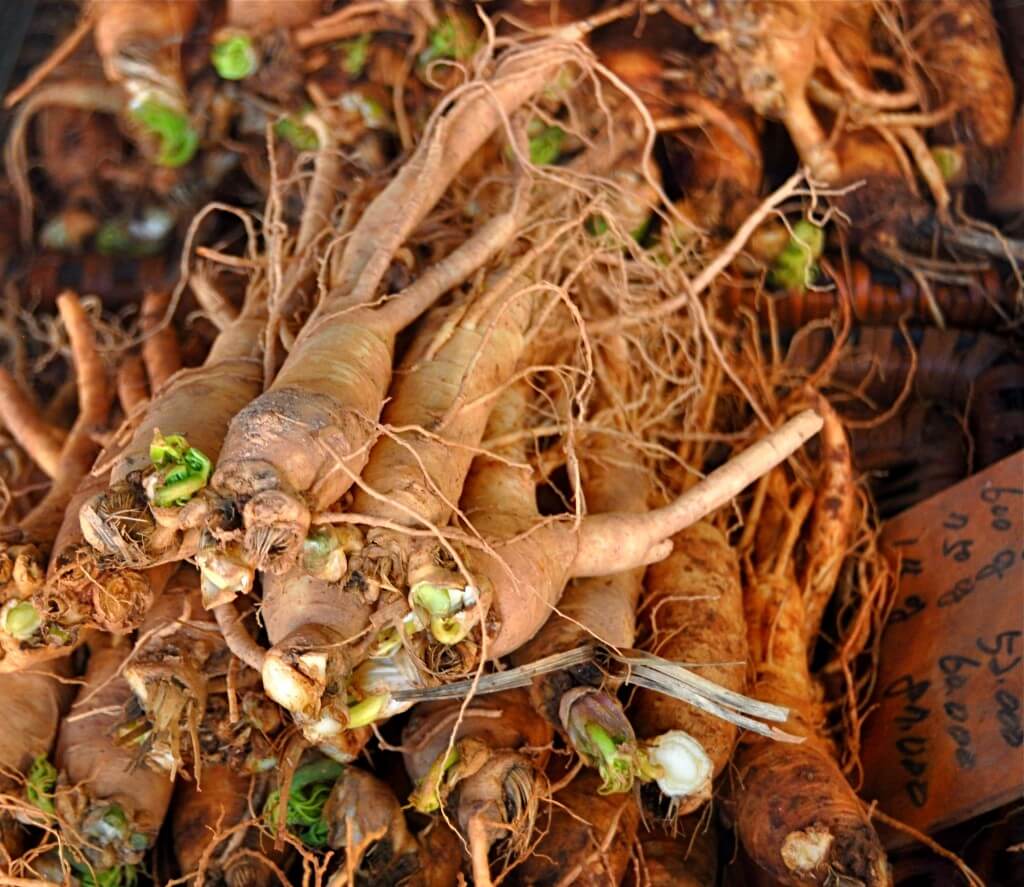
(298, 447)
(110, 808)
(180, 651)
(487, 776)
(141, 519)
(692, 612)
(34, 702)
(795, 813)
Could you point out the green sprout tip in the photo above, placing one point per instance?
(950, 161)
(354, 54)
(614, 762)
(796, 266)
(366, 711)
(235, 57)
(450, 39)
(126, 875)
(299, 136)
(426, 797)
(40, 784)
(546, 146)
(184, 470)
(178, 139)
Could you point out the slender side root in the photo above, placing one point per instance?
(37, 437)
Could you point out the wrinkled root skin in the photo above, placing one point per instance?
(86, 588)
(800, 821)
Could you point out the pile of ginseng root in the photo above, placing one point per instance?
(447, 444)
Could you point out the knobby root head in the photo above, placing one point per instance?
(225, 573)
(118, 522)
(22, 571)
(172, 697)
(120, 600)
(325, 551)
(276, 525)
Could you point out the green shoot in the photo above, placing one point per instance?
(169, 450)
(373, 114)
(183, 470)
(597, 226)
(311, 786)
(235, 57)
(300, 137)
(614, 763)
(323, 555)
(435, 599)
(366, 711)
(796, 266)
(354, 54)
(950, 161)
(178, 140)
(426, 797)
(115, 876)
(546, 146)
(598, 729)
(40, 784)
(451, 39)
(451, 629)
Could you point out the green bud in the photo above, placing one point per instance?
(950, 161)
(235, 57)
(300, 137)
(354, 54)
(310, 789)
(426, 798)
(178, 140)
(435, 599)
(546, 146)
(20, 620)
(451, 39)
(40, 784)
(795, 267)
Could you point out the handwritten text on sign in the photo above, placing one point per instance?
(947, 739)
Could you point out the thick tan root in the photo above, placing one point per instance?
(527, 576)
(796, 814)
(692, 613)
(99, 777)
(832, 521)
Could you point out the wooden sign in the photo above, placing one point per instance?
(946, 740)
